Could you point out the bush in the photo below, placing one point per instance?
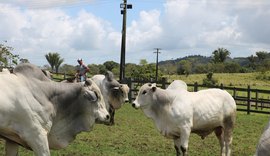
(263, 76)
(209, 80)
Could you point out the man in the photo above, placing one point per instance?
(82, 71)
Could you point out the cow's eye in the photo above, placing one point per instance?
(144, 92)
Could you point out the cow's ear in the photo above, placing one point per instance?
(116, 88)
(88, 83)
(90, 95)
(109, 76)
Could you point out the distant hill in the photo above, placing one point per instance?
(196, 58)
(242, 61)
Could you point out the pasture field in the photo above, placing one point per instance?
(241, 80)
(135, 135)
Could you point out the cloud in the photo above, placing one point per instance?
(199, 27)
(88, 32)
(179, 28)
(35, 32)
(146, 30)
(39, 4)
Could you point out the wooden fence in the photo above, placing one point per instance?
(247, 99)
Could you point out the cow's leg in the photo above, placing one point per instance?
(177, 144)
(37, 140)
(112, 112)
(185, 133)
(228, 140)
(112, 117)
(219, 131)
(228, 130)
(11, 148)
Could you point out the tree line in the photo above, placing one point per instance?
(219, 62)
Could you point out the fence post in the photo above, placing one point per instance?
(262, 104)
(221, 86)
(195, 86)
(129, 83)
(256, 99)
(163, 81)
(234, 93)
(248, 99)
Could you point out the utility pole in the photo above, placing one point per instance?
(157, 52)
(124, 6)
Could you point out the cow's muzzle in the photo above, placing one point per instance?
(134, 105)
(107, 117)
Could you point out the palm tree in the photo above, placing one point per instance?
(262, 55)
(54, 60)
(220, 55)
(57, 64)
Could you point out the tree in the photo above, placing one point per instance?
(143, 62)
(7, 58)
(22, 60)
(220, 55)
(142, 71)
(68, 69)
(54, 60)
(261, 55)
(252, 61)
(93, 69)
(209, 80)
(168, 69)
(232, 67)
(110, 65)
(131, 70)
(202, 68)
(218, 67)
(102, 69)
(184, 67)
(57, 64)
(262, 61)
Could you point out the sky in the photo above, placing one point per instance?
(91, 29)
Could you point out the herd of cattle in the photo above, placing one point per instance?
(40, 114)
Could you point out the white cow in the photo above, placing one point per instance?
(40, 114)
(263, 147)
(177, 113)
(114, 93)
(178, 84)
(5, 71)
(47, 73)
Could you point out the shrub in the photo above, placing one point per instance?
(209, 80)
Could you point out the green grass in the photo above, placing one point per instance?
(235, 79)
(135, 135)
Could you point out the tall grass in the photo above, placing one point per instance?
(135, 135)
